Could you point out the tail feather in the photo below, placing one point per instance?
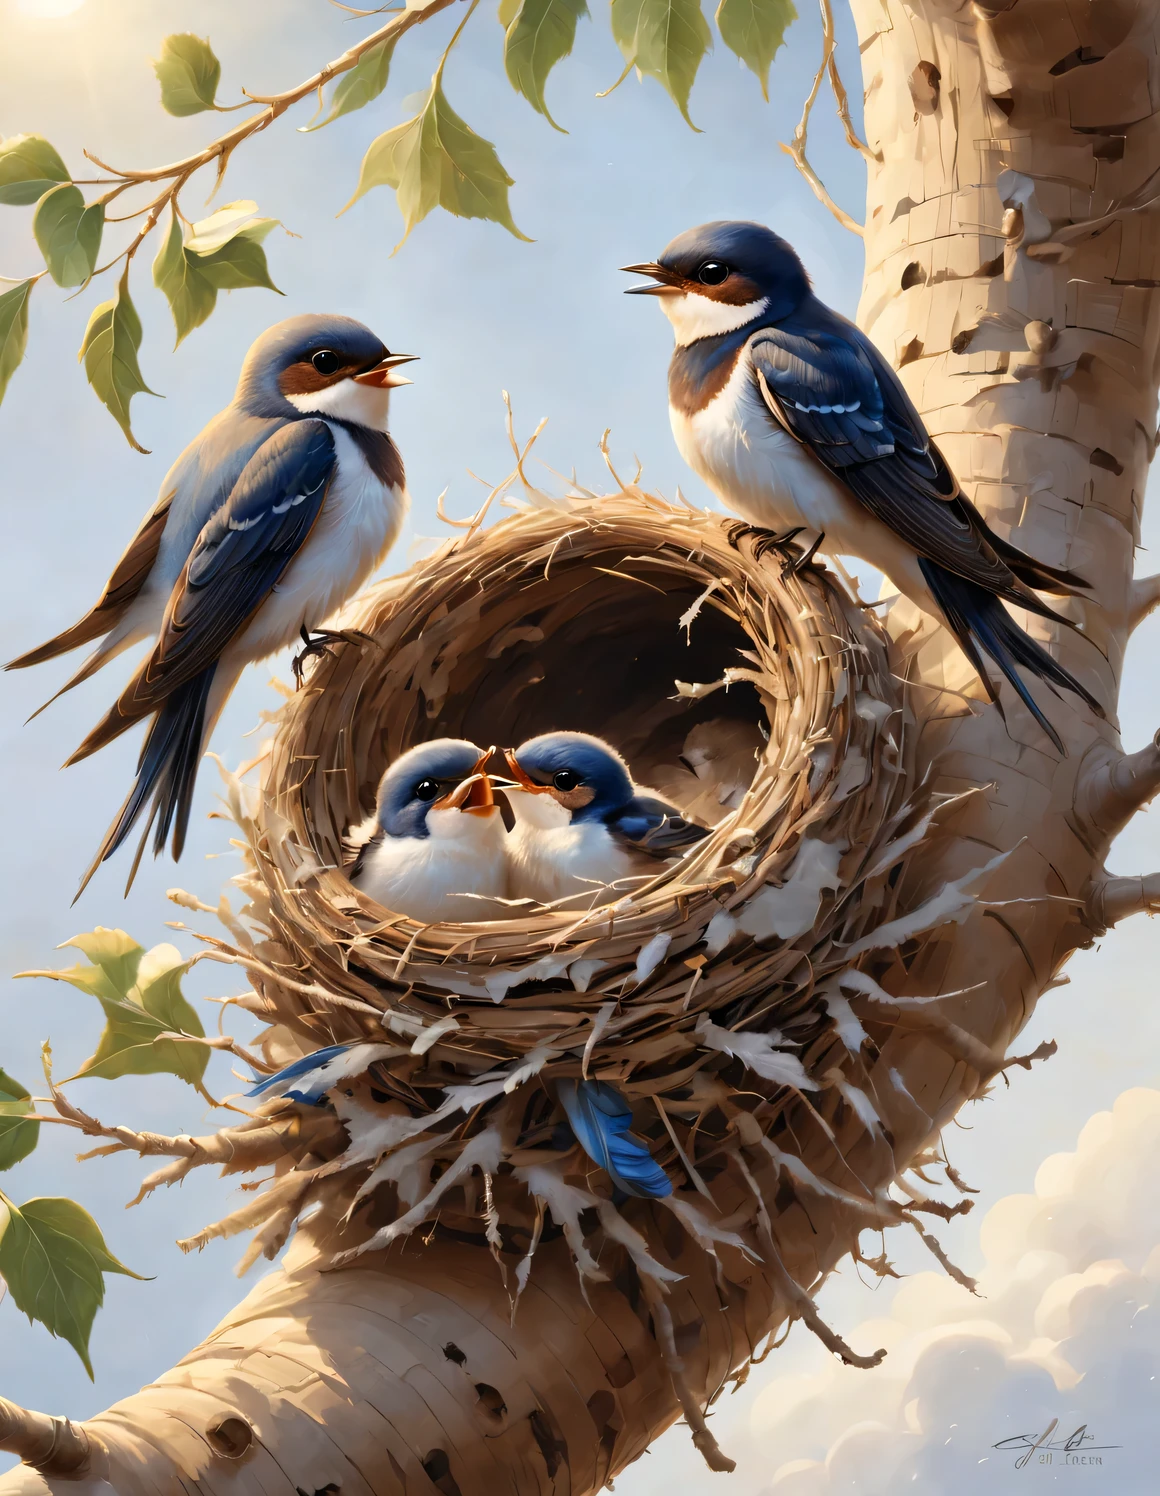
(1037, 574)
(978, 619)
(166, 774)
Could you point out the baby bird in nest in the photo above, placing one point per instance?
(583, 831)
(434, 848)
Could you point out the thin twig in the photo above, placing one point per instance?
(797, 147)
(177, 174)
(841, 98)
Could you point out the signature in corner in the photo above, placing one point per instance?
(1080, 1442)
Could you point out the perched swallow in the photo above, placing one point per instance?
(793, 417)
(434, 848)
(581, 825)
(266, 524)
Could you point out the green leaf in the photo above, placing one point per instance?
(241, 262)
(140, 992)
(17, 1137)
(223, 253)
(53, 1257)
(178, 275)
(68, 233)
(109, 351)
(755, 29)
(365, 81)
(539, 34)
(29, 166)
(13, 331)
(665, 39)
(436, 160)
(189, 74)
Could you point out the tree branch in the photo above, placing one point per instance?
(1113, 787)
(1114, 899)
(54, 1446)
(1143, 597)
(178, 173)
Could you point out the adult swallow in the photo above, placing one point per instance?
(794, 419)
(266, 524)
(581, 825)
(435, 846)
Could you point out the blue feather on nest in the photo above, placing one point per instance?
(600, 1118)
(310, 1070)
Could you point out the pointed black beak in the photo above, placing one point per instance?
(659, 274)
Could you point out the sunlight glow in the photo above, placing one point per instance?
(48, 9)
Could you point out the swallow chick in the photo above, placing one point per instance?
(434, 849)
(266, 525)
(795, 420)
(581, 825)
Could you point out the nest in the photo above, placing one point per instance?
(707, 995)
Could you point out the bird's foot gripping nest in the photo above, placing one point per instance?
(318, 643)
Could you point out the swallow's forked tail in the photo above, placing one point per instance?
(166, 773)
(978, 619)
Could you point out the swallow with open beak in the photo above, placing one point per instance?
(583, 830)
(434, 849)
(798, 422)
(266, 525)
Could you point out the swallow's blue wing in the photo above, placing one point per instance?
(237, 560)
(829, 387)
(600, 1118)
(303, 1080)
(647, 824)
(243, 551)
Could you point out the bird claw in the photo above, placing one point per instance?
(797, 564)
(764, 540)
(320, 642)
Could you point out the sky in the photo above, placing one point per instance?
(545, 321)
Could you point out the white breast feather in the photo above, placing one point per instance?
(431, 878)
(360, 521)
(761, 472)
(695, 317)
(550, 857)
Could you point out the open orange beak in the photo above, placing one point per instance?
(383, 375)
(472, 795)
(522, 778)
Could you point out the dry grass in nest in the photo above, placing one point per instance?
(636, 620)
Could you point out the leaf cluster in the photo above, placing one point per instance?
(432, 160)
(53, 1257)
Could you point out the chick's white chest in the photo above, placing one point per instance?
(552, 858)
(360, 520)
(755, 466)
(436, 877)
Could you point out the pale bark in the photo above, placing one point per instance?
(1029, 342)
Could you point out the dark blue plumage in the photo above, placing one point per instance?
(600, 1118)
(766, 377)
(311, 1070)
(238, 560)
(591, 779)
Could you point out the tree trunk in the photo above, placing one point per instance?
(1010, 267)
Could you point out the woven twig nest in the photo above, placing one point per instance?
(702, 994)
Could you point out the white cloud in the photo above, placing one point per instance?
(1066, 1326)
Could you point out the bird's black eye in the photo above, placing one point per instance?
(427, 789)
(565, 779)
(712, 273)
(326, 361)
